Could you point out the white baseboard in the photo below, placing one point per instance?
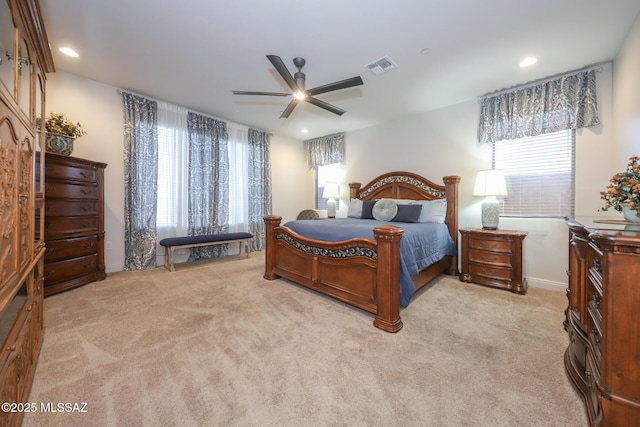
(547, 284)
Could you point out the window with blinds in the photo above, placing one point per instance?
(325, 174)
(539, 172)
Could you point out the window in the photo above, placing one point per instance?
(325, 174)
(539, 172)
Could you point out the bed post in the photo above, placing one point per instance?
(451, 191)
(271, 222)
(388, 278)
(354, 188)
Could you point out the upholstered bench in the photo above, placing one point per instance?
(172, 243)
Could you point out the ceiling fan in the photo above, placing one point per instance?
(297, 85)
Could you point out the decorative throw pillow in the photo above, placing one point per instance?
(384, 210)
(407, 213)
(432, 210)
(367, 207)
(355, 209)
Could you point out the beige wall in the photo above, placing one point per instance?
(626, 107)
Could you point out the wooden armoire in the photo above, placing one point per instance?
(25, 58)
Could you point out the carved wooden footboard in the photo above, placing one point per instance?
(362, 272)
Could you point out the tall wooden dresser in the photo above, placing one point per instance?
(25, 60)
(603, 319)
(74, 223)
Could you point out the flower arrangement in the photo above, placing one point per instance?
(60, 124)
(624, 188)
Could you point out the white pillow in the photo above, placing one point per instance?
(432, 210)
(355, 209)
(384, 210)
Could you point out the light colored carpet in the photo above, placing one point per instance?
(214, 344)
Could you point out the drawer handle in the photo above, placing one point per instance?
(49, 274)
(86, 225)
(84, 245)
(88, 265)
(86, 192)
(51, 250)
(86, 175)
(85, 208)
(485, 271)
(589, 379)
(485, 245)
(484, 258)
(51, 188)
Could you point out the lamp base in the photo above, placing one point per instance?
(490, 214)
(331, 208)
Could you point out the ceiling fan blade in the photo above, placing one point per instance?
(342, 84)
(243, 92)
(289, 108)
(324, 105)
(283, 71)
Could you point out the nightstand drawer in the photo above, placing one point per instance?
(489, 272)
(490, 258)
(490, 245)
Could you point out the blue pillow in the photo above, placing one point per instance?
(367, 209)
(407, 213)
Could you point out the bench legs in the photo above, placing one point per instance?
(169, 251)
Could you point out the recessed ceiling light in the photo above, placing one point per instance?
(528, 61)
(69, 52)
(305, 131)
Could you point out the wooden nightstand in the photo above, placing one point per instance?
(493, 258)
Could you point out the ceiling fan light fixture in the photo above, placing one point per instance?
(528, 61)
(299, 95)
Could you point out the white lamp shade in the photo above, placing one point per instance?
(490, 182)
(331, 191)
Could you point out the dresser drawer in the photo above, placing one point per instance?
(490, 258)
(70, 269)
(56, 207)
(485, 244)
(67, 171)
(68, 248)
(62, 227)
(71, 191)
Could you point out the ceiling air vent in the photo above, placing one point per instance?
(381, 65)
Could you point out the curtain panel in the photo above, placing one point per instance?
(259, 185)
(325, 150)
(568, 102)
(140, 181)
(208, 171)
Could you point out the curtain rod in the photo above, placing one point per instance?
(121, 91)
(597, 67)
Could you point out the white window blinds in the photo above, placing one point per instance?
(539, 172)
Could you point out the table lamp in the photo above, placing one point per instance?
(490, 183)
(331, 191)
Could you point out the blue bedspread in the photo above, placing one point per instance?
(421, 245)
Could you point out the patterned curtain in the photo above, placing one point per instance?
(208, 209)
(259, 185)
(140, 181)
(568, 102)
(325, 150)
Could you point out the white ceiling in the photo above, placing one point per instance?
(193, 53)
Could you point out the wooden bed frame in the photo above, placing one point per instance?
(362, 272)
